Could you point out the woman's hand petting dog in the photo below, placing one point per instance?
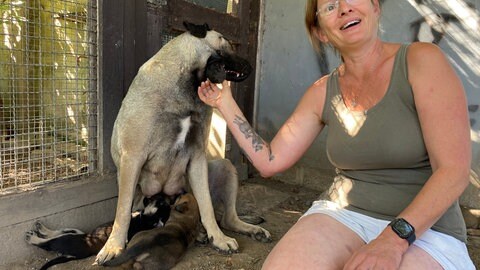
(213, 94)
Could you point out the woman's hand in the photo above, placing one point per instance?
(385, 252)
(213, 94)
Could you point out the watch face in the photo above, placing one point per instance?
(403, 228)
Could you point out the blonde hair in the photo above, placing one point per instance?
(312, 23)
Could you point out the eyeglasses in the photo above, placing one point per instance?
(330, 7)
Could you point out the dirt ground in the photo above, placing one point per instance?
(278, 203)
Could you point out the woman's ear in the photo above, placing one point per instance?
(319, 34)
(376, 6)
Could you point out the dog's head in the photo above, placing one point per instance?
(185, 207)
(222, 64)
(156, 211)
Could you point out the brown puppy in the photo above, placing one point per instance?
(161, 248)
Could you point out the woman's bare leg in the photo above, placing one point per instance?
(316, 241)
(417, 258)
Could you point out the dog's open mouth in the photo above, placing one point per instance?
(232, 75)
(227, 67)
(237, 69)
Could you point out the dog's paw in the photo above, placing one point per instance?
(37, 226)
(256, 232)
(40, 230)
(202, 238)
(262, 235)
(28, 236)
(33, 239)
(224, 244)
(108, 252)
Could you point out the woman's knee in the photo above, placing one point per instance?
(315, 240)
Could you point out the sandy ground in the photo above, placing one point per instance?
(278, 203)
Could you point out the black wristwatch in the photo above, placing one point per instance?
(403, 229)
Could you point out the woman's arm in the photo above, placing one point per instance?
(291, 141)
(442, 109)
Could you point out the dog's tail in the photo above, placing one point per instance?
(58, 260)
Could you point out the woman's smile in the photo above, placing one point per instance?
(350, 24)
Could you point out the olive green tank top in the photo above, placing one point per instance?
(380, 156)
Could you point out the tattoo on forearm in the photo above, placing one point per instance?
(248, 132)
(271, 157)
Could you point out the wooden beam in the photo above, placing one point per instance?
(111, 68)
(140, 33)
(226, 24)
(129, 32)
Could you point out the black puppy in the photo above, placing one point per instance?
(74, 244)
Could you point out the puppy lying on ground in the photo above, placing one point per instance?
(159, 137)
(162, 247)
(74, 244)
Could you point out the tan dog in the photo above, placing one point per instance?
(161, 131)
(161, 248)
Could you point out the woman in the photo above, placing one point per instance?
(399, 137)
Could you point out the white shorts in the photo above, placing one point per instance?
(449, 252)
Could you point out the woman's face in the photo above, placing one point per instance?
(345, 23)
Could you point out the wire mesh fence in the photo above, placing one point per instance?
(48, 91)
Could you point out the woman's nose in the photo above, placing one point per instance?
(343, 7)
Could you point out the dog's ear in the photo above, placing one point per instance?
(199, 31)
(182, 207)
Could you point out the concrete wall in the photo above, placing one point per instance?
(62, 205)
(288, 64)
